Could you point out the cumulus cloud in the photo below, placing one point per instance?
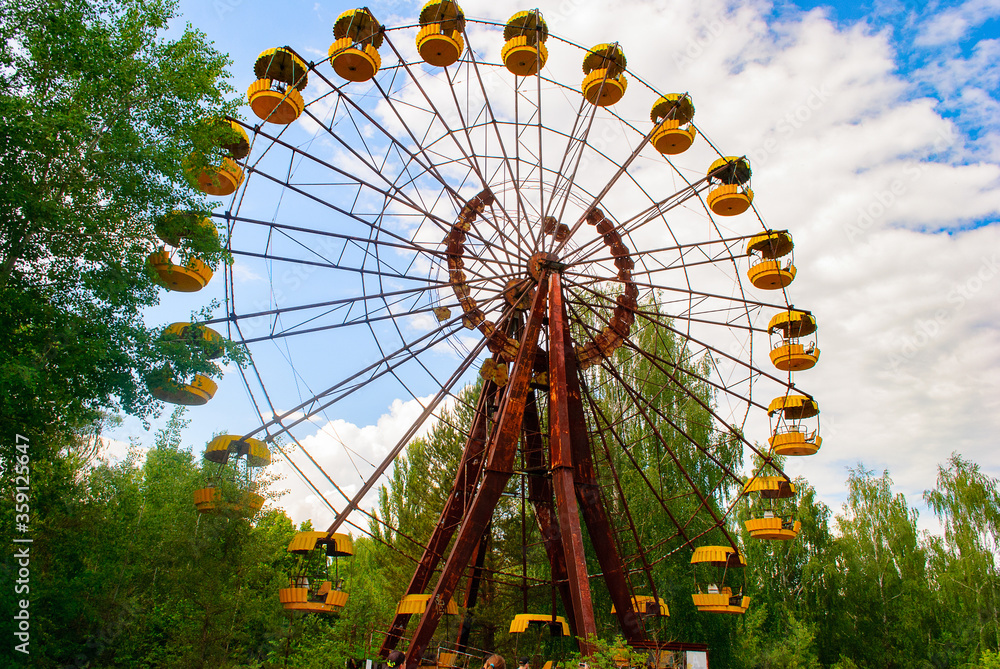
(348, 454)
(951, 25)
(116, 450)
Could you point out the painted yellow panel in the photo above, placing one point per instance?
(792, 323)
(196, 393)
(273, 105)
(771, 275)
(439, 46)
(605, 57)
(794, 357)
(721, 556)
(721, 603)
(282, 65)
(794, 407)
(523, 620)
(773, 528)
(770, 245)
(603, 89)
(771, 487)
(795, 443)
(640, 605)
(303, 542)
(220, 180)
(523, 56)
(673, 106)
(670, 139)
(417, 604)
(256, 450)
(352, 63)
(446, 12)
(207, 499)
(729, 200)
(184, 279)
(529, 24)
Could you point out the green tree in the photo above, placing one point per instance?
(788, 582)
(100, 114)
(883, 612)
(794, 649)
(126, 573)
(990, 660)
(671, 451)
(963, 561)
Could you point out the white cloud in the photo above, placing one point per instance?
(116, 450)
(348, 453)
(319, 53)
(953, 24)
(967, 88)
(243, 273)
(979, 69)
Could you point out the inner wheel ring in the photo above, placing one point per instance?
(603, 345)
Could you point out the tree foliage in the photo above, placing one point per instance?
(963, 561)
(100, 114)
(126, 573)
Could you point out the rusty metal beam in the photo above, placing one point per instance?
(588, 493)
(587, 487)
(464, 486)
(540, 496)
(500, 453)
(472, 592)
(563, 483)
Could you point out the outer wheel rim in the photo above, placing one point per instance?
(501, 185)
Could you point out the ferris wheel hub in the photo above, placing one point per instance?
(543, 260)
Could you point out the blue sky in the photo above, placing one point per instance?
(875, 131)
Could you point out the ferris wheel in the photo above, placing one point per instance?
(460, 201)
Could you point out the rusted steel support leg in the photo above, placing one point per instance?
(560, 442)
(472, 592)
(540, 496)
(588, 492)
(604, 543)
(501, 450)
(461, 492)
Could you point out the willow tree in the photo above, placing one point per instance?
(671, 455)
(963, 562)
